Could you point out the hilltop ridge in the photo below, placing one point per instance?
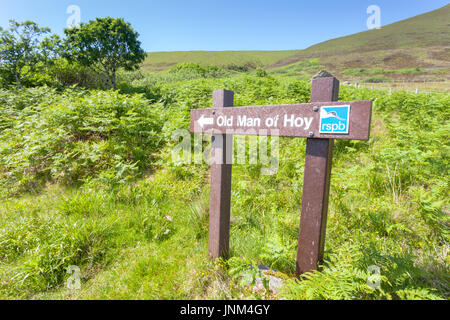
(415, 48)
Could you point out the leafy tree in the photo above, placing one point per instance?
(24, 51)
(105, 45)
(65, 74)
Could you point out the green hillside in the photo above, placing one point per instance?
(426, 30)
(417, 48)
(158, 61)
(419, 42)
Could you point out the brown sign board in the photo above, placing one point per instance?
(308, 120)
(320, 122)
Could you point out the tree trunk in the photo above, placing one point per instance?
(107, 81)
(18, 82)
(113, 80)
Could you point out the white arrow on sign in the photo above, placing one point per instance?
(203, 121)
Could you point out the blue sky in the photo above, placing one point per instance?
(182, 25)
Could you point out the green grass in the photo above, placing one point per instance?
(381, 71)
(143, 233)
(304, 69)
(160, 61)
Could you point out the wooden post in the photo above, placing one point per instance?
(220, 193)
(316, 185)
(307, 120)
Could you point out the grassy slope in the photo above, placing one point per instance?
(422, 41)
(158, 61)
(429, 29)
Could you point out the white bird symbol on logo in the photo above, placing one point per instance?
(331, 114)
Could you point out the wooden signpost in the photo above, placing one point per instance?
(321, 121)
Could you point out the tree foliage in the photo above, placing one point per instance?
(25, 51)
(105, 45)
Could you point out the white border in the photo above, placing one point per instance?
(348, 106)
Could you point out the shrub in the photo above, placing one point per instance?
(375, 79)
(261, 72)
(74, 135)
(245, 67)
(209, 71)
(65, 74)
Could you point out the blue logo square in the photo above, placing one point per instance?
(334, 119)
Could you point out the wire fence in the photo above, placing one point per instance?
(391, 89)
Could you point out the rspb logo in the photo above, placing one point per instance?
(334, 119)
